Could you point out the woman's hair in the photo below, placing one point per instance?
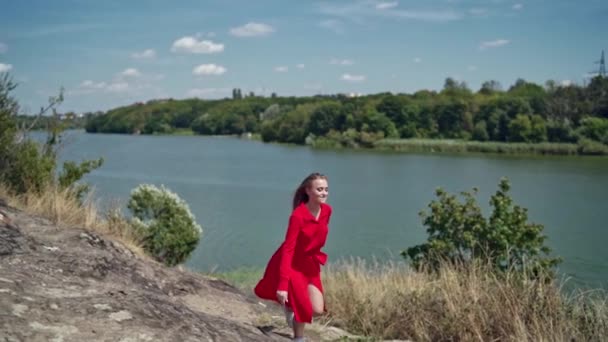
(300, 195)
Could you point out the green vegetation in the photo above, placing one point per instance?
(165, 224)
(28, 166)
(458, 146)
(459, 234)
(526, 118)
(490, 280)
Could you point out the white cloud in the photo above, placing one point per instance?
(334, 25)
(429, 15)
(3, 47)
(281, 69)
(130, 72)
(252, 30)
(336, 61)
(493, 44)
(353, 78)
(417, 60)
(566, 83)
(129, 81)
(118, 87)
(518, 7)
(386, 5)
(361, 10)
(5, 67)
(192, 45)
(146, 54)
(300, 66)
(88, 84)
(208, 92)
(471, 68)
(209, 69)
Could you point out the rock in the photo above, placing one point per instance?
(69, 284)
(104, 307)
(73, 285)
(120, 316)
(19, 309)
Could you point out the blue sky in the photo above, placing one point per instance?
(111, 53)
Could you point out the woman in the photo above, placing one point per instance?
(293, 274)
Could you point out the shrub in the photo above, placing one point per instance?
(165, 225)
(459, 233)
(29, 166)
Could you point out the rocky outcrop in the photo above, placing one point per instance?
(59, 284)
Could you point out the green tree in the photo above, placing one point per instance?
(480, 132)
(534, 94)
(560, 130)
(459, 233)
(324, 118)
(538, 132)
(597, 94)
(490, 87)
(520, 128)
(164, 223)
(8, 110)
(393, 107)
(594, 128)
(26, 165)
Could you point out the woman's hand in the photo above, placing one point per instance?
(282, 297)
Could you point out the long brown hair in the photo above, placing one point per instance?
(300, 195)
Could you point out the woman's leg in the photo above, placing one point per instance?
(298, 329)
(316, 299)
(318, 306)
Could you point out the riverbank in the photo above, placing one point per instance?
(460, 146)
(451, 146)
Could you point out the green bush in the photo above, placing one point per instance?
(591, 147)
(26, 165)
(164, 223)
(73, 172)
(459, 233)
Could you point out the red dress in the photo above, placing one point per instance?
(297, 262)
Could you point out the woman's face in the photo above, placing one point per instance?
(318, 191)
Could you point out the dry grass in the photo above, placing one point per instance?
(458, 304)
(63, 209)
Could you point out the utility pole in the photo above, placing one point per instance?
(602, 66)
(602, 70)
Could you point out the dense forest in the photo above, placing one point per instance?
(524, 113)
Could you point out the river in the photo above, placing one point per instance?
(240, 192)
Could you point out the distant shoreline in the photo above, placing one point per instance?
(459, 146)
(438, 146)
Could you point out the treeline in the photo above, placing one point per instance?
(525, 112)
(68, 120)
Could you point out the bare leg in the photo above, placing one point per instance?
(298, 329)
(316, 299)
(318, 306)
